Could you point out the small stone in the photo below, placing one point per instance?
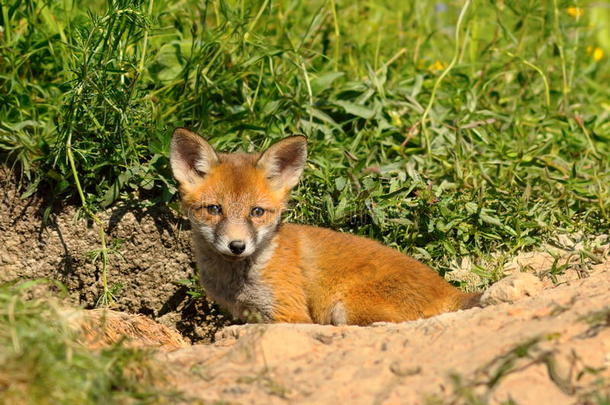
(403, 369)
(512, 288)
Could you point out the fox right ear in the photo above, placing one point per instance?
(190, 156)
(283, 162)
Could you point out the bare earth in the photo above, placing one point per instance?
(552, 345)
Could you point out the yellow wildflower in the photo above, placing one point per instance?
(396, 121)
(575, 12)
(438, 65)
(596, 53)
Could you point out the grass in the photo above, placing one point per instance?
(42, 361)
(440, 139)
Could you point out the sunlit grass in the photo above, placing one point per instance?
(42, 361)
(518, 129)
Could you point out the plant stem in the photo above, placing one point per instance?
(337, 33)
(7, 25)
(547, 90)
(565, 88)
(456, 55)
(258, 16)
(106, 298)
(145, 44)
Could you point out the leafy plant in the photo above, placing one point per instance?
(511, 148)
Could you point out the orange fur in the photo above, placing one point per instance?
(297, 273)
(315, 267)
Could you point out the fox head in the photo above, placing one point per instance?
(235, 201)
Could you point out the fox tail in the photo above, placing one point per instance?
(471, 300)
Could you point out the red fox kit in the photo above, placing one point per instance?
(252, 264)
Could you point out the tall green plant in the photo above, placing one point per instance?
(517, 135)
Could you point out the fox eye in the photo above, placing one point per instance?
(257, 212)
(214, 209)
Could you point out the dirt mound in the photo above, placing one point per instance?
(104, 327)
(552, 348)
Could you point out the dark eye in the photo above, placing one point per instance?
(214, 209)
(257, 212)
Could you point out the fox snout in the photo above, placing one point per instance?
(234, 238)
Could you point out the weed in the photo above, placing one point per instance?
(267, 382)
(41, 361)
(514, 122)
(193, 286)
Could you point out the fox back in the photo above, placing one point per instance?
(263, 270)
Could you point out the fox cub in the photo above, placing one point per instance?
(258, 268)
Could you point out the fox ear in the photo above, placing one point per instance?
(284, 161)
(190, 156)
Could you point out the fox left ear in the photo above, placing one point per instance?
(191, 157)
(284, 161)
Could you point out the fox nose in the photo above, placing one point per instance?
(237, 246)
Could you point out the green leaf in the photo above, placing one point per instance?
(340, 183)
(356, 109)
(488, 219)
(324, 81)
(471, 207)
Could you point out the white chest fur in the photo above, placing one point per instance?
(235, 285)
